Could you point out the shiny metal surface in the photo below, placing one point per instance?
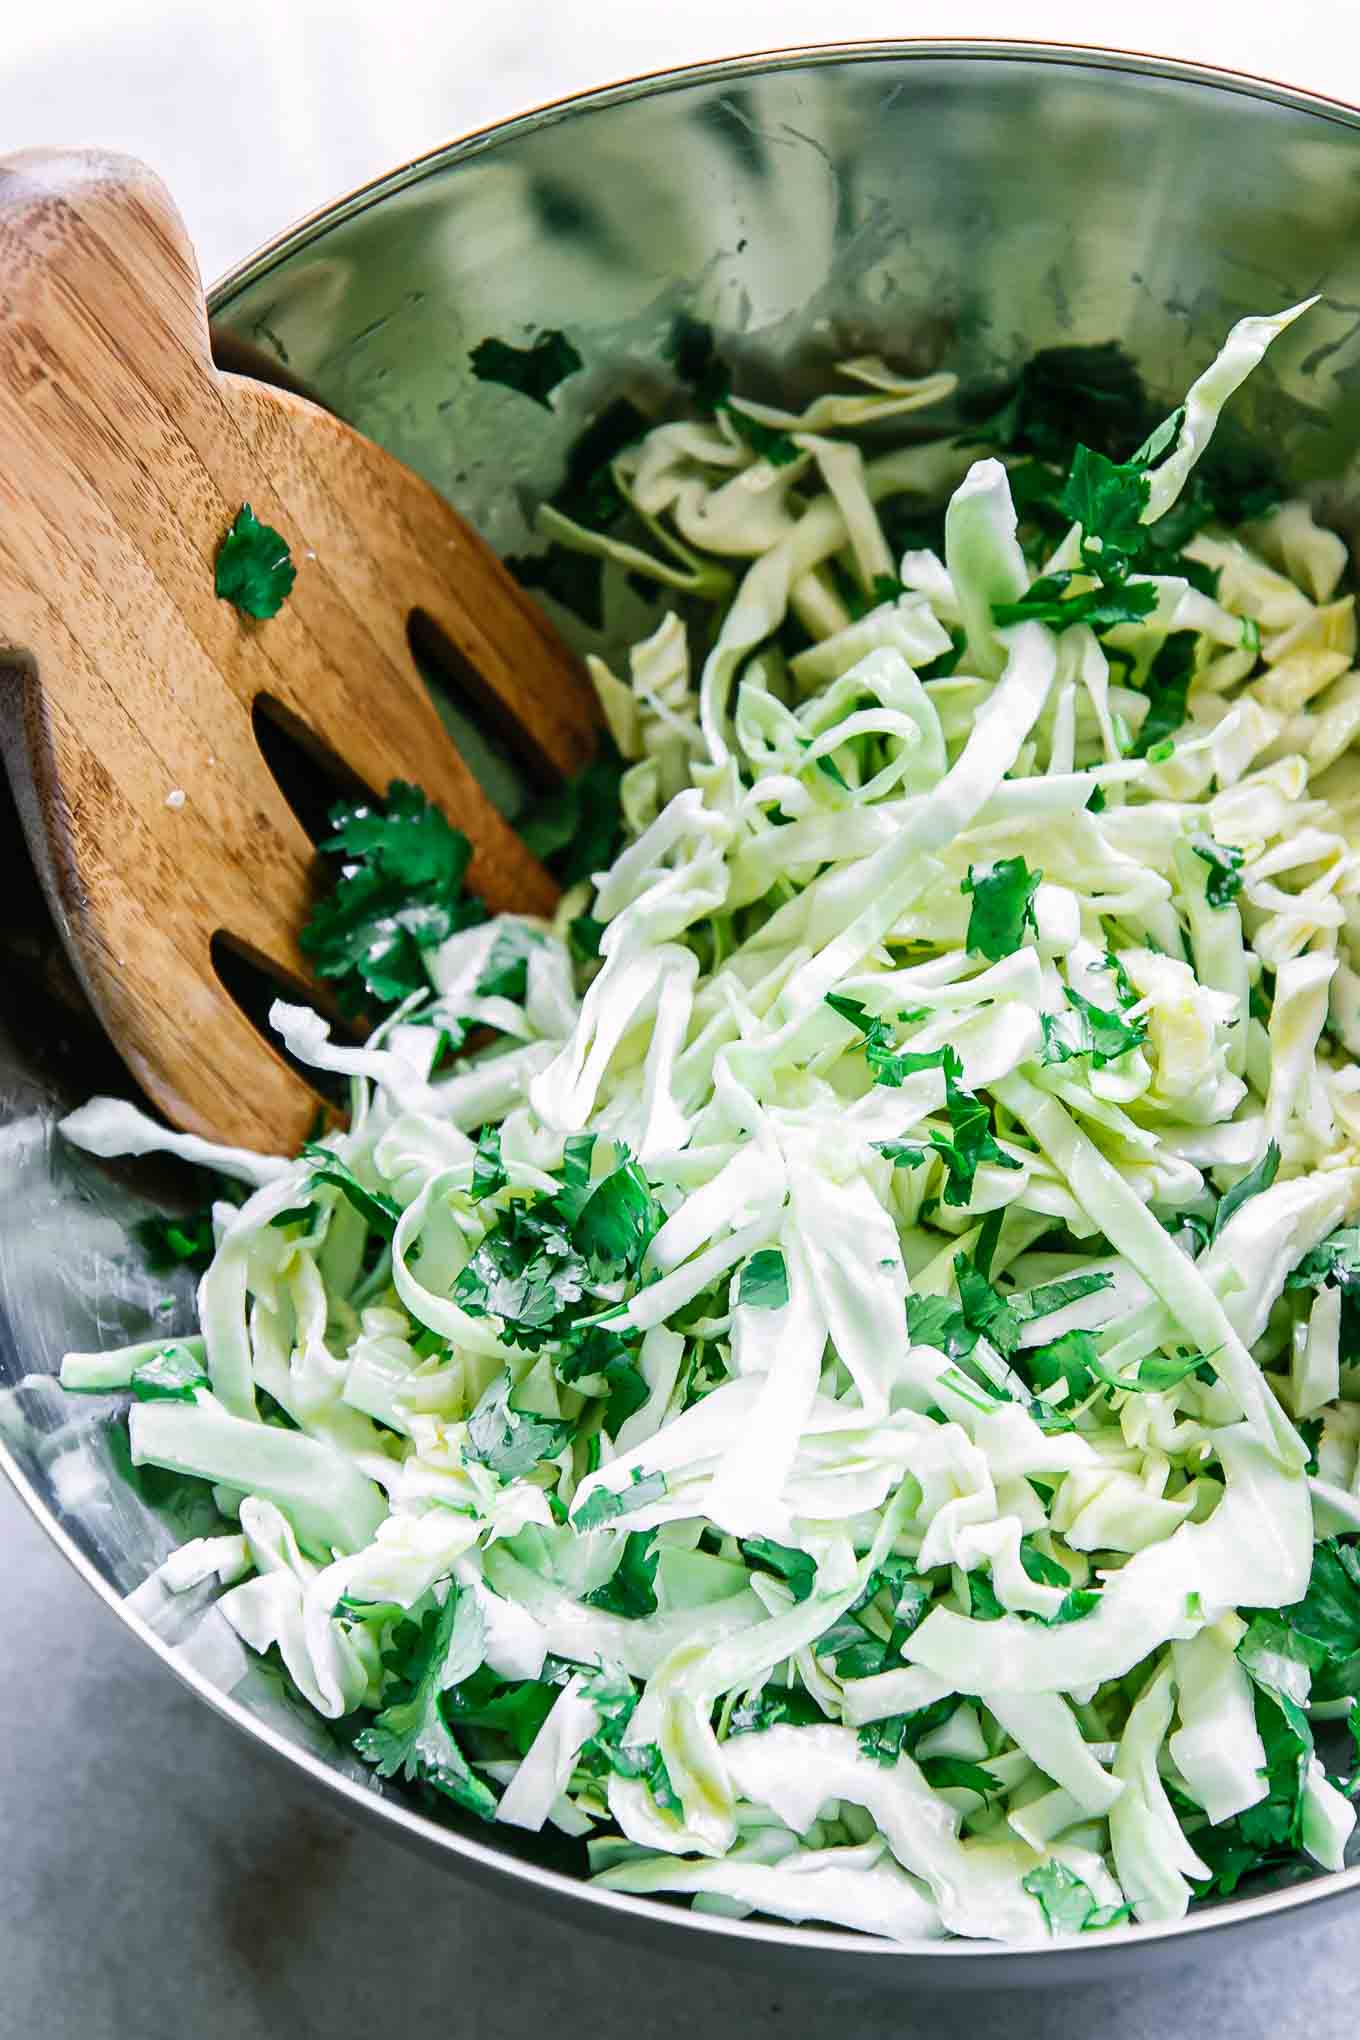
(956, 204)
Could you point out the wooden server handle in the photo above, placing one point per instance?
(124, 456)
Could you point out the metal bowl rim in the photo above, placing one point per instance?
(388, 1812)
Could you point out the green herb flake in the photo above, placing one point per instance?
(173, 1376)
(764, 1281)
(1251, 1185)
(512, 1441)
(254, 570)
(602, 1505)
(534, 371)
(1224, 882)
(1002, 907)
(410, 1736)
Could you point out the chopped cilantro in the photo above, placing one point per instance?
(173, 1376)
(1046, 601)
(1068, 1905)
(792, 1704)
(410, 1735)
(1096, 1032)
(602, 1505)
(512, 1441)
(771, 445)
(399, 893)
(176, 1242)
(942, 1773)
(1003, 906)
(254, 569)
(764, 1281)
(488, 1170)
(1257, 1179)
(603, 1355)
(1167, 685)
(375, 1207)
(534, 371)
(797, 1568)
(630, 1589)
(1224, 882)
(577, 829)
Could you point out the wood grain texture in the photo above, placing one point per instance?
(124, 455)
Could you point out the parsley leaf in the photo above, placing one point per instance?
(534, 371)
(1224, 882)
(410, 1735)
(375, 1207)
(254, 570)
(1003, 907)
(764, 1282)
(512, 1441)
(1257, 1179)
(630, 1590)
(173, 1376)
(399, 893)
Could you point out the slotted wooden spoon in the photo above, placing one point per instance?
(130, 688)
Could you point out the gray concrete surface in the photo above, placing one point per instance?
(161, 1882)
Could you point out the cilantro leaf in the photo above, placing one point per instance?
(1157, 1371)
(618, 1220)
(935, 1321)
(1003, 907)
(602, 1505)
(1071, 1358)
(516, 1709)
(764, 1281)
(1335, 1259)
(505, 974)
(410, 1735)
(534, 371)
(399, 893)
(1257, 1179)
(488, 1170)
(793, 1704)
(766, 440)
(1090, 393)
(604, 1354)
(1098, 1033)
(254, 570)
(884, 1741)
(1328, 1616)
(1107, 499)
(169, 1243)
(1167, 686)
(901, 1153)
(173, 1376)
(797, 1568)
(375, 1207)
(940, 1773)
(630, 1590)
(512, 1441)
(615, 1701)
(1046, 601)
(577, 829)
(527, 1273)
(1054, 1296)
(971, 1141)
(1068, 1905)
(1224, 882)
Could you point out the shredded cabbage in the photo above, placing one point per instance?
(807, 1407)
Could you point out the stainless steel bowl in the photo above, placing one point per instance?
(959, 203)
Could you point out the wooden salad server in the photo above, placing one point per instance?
(131, 688)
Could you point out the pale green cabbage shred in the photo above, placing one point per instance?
(751, 1108)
